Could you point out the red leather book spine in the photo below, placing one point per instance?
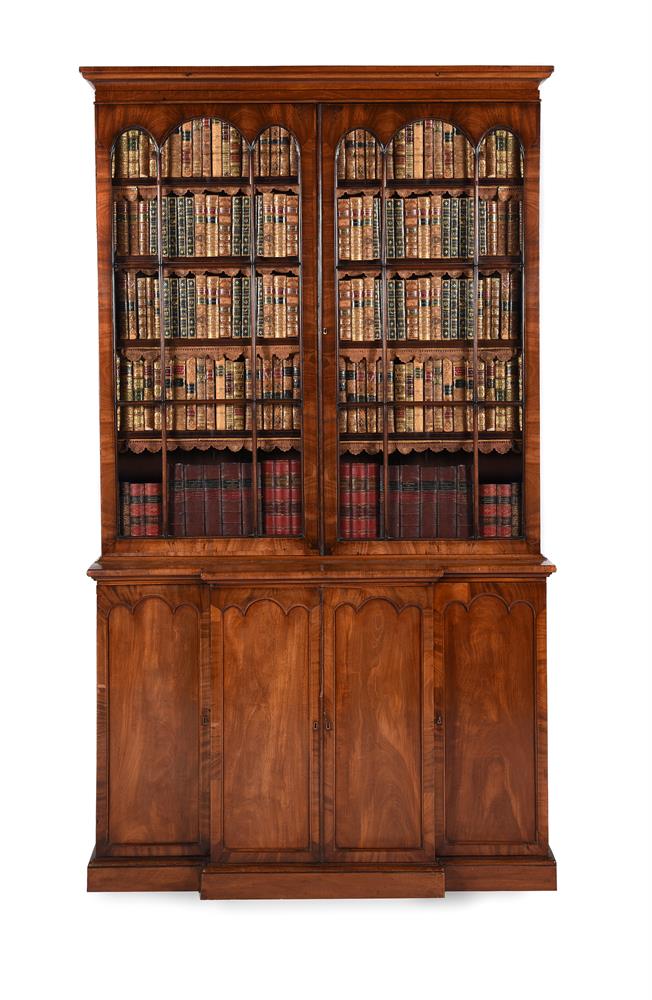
(137, 509)
(268, 512)
(282, 491)
(246, 511)
(410, 482)
(231, 502)
(152, 510)
(464, 502)
(394, 500)
(446, 501)
(213, 499)
(125, 525)
(358, 499)
(194, 493)
(178, 500)
(504, 510)
(345, 499)
(517, 529)
(428, 500)
(295, 497)
(488, 510)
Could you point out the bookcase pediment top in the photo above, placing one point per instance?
(317, 83)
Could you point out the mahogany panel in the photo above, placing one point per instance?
(150, 773)
(322, 882)
(487, 645)
(266, 702)
(378, 721)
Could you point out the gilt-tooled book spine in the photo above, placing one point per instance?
(488, 510)
(447, 501)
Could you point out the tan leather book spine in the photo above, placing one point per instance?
(438, 147)
(196, 142)
(216, 147)
(418, 149)
(491, 155)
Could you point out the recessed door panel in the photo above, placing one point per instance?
(265, 797)
(378, 724)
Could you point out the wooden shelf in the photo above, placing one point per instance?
(500, 182)
(429, 345)
(426, 183)
(120, 182)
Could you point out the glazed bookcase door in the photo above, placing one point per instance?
(424, 381)
(214, 331)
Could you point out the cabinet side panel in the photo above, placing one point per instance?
(490, 717)
(267, 735)
(153, 680)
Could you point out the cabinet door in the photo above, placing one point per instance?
(265, 780)
(152, 698)
(378, 721)
(490, 656)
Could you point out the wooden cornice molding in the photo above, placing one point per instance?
(133, 84)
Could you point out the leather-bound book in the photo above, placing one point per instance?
(464, 506)
(137, 509)
(231, 499)
(488, 510)
(410, 526)
(428, 501)
(447, 501)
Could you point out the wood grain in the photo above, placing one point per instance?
(266, 702)
(488, 647)
(378, 745)
(150, 686)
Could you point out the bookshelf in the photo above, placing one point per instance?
(319, 413)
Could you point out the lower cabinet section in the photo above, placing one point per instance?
(322, 740)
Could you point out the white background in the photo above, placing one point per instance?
(589, 938)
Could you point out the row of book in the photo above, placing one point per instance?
(433, 379)
(429, 501)
(140, 509)
(430, 307)
(428, 148)
(429, 226)
(205, 147)
(135, 225)
(210, 147)
(206, 225)
(197, 379)
(190, 378)
(209, 418)
(134, 155)
(500, 155)
(277, 224)
(211, 306)
(425, 501)
(500, 510)
(358, 227)
(215, 499)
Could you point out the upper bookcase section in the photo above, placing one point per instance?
(135, 84)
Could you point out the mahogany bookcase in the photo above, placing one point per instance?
(321, 595)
